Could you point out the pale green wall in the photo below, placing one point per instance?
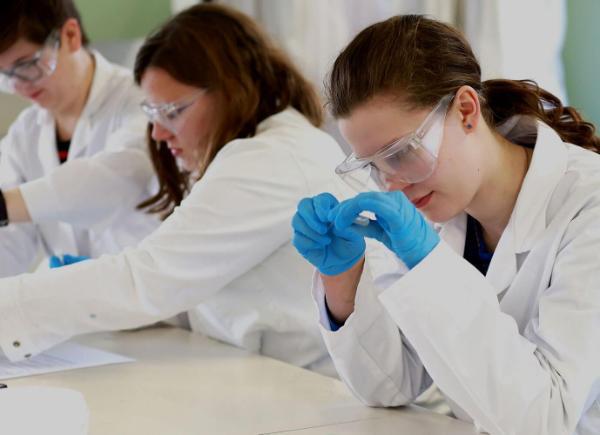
(107, 20)
(582, 57)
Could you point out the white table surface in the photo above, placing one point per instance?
(184, 383)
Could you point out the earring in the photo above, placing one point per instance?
(469, 126)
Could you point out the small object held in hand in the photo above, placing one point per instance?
(362, 221)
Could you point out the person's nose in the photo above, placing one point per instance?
(22, 87)
(160, 133)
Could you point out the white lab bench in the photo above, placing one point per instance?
(184, 383)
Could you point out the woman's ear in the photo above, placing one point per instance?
(70, 35)
(467, 103)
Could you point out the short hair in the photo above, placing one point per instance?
(34, 20)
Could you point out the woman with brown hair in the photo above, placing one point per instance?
(235, 141)
(490, 209)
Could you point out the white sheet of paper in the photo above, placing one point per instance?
(66, 356)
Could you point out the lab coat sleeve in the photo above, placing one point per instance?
(95, 190)
(233, 219)
(18, 249)
(508, 382)
(370, 354)
(18, 242)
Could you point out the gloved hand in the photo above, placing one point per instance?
(330, 250)
(399, 226)
(66, 260)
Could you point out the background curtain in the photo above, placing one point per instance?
(512, 38)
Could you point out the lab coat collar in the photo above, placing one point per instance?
(548, 166)
(47, 145)
(44, 117)
(288, 116)
(98, 96)
(528, 219)
(454, 232)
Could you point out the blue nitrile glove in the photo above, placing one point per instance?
(66, 260)
(330, 250)
(398, 225)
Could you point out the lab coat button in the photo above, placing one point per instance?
(28, 355)
(16, 343)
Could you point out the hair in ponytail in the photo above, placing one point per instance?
(423, 60)
(506, 98)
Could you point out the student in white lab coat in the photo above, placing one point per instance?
(236, 144)
(85, 113)
(498, 301)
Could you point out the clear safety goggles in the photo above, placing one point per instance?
(168, 115)
(42, 64)
(409, 159)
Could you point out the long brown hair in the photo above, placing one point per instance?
(423, 60)
(223, 51)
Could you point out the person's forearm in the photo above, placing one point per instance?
(15, 206)
(340, 291)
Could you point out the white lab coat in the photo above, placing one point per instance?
(518, 350)
(225, 251)
(87, 205)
